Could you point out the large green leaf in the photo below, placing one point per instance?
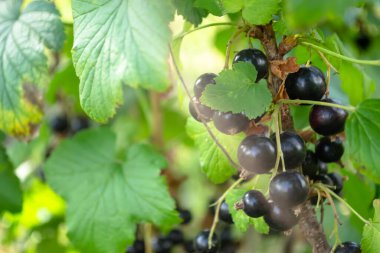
(371, 234)
(119, 41)
(215, 7)
(190, 13)
(213, 161)
(238, 87)
(23, 38)
(10, 191)
(363, 137)
(106, 197)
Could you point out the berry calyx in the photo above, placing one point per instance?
(257, 154)
(294, 149)
(230, 123)
(202, 82)
(329, 151)
(311, 166)
(308, 83)
(327, 120)
(280, 218)
(201, 242)
(255, 204)
(224, 213)
(289, 189)
(348, 247)
(257, 58)
(205, 112)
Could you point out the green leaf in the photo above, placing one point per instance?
(371, 233)
(120, 41)
(363, 137)
(241, 220)
(189, 12)
(215, 7)
(23, 38)
(236, 91)
(232, 6)
(213, 161)
(107, 198)
(260, 12)
(10, 191)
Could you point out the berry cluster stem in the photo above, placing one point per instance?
(312, 102)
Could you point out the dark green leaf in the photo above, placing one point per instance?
(190, 13)
(260, 12)
(215, 7)
(371, 234)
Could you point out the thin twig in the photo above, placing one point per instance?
(148, 238)
(324, 59)
(312, 102)
(229, 47)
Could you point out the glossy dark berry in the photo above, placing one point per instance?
(224, 213)
(60, 124)
(79, 123)
(294, 149)
(161, 244)
(326, 120)
(137, 247)
(363, 41)
(329, 151)
(337, 182)
(201, 242)
(311, 166)
(348, 247)
(202, 82)
(255, 204)
(289, 189)
(230, 123)
(175, 236)
(324, 179)
(185, 216)
(280, 218)
(308, 83)
(188, 246)
(257, 154)
(257, 58)
(205, 112)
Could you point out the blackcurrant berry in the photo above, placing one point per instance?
(311, 166)
(327, 120)
(162, 244)
(294, 149)
(308, 83)
(79, 123)
(189, 246)
(175, 236)
(137, 247)
(257, 58)
(205, 112)
(185, 215)
(324, 179)
(202, 82)
(337, 182)
(255, 204)
(280, 218)
(224, 213)
(348, 247)
(201, 242)
(363, 41)
(289, 189)
(230, 123)
(60, 124)
(257, 154)
(329, 151)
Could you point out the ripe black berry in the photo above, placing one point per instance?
(230, 123)
(311, 166)
(162, 244)
(255, 204)
(79, 123)
(324, 179)
(202, 82)
(329, 151)
(185, 215)
(60, 124)
(280, 218)
(257, 154)
(363, 41)
(348, 247)
(201, 242)
(257, 58)
(206, 112)
(289, 189)
(294, 149)
(308, 83)
(188, 246)
(137, 247)
(224, 213)
(326, 120)
(337, 182)
(175, 236)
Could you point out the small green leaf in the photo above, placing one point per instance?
(215, 7)
(213, 161)
(371, 233)
(119, 41)
(106, 198)
(190, 13)
(241, 220)
(232, 6)
(10, 191)
(363, 137)
(23, 39)
(236, 91)
(260, 12)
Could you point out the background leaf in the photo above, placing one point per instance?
(260, 12)
(371, 234)
(190, 13)
(215, 7)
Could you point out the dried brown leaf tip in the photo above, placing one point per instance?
(281, 68)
